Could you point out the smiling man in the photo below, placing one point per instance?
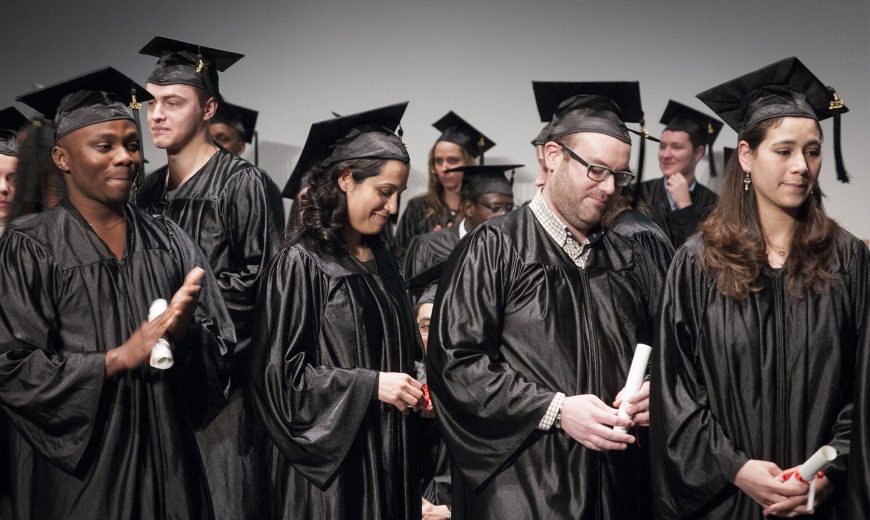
(234, 213)
(678, 202)
(98, 433)
(535, 324)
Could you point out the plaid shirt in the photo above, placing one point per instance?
(560, 233)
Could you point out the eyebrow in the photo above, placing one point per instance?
(814, 142)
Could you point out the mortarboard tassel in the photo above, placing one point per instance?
(836, 106)
(711, 159)
(140, 173)
(256, 148)
(842, 176)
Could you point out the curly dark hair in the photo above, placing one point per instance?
(734, 246)
(324, 208)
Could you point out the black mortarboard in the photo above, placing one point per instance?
(594, 106)
(490, 178)
(456, 130)
(102, 95)
(785, 88)
(242, 119)
(423, 286)
(364, 135)
(705, 129)
(188, 63)
(542, 137)
(11, 119)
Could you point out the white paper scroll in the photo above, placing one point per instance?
(636, 373)
(161, 354)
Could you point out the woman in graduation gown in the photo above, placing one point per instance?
(762, 316)
(336, 340)
(459, 144)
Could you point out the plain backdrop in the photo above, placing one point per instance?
(307, 59)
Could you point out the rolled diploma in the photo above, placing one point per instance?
(821, 458)
(161, 354)
(635, 379)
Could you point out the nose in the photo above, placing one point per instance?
(4, 185)
(155, 112)
(800, 165)
(392, 205)
(124, 157)
(608, 185)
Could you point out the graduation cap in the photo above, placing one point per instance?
(98, 96)
(364, 135)
(490, 178)
(11, 119)
(785, 88)
(188, 63)
(594, 106)
(456, 130)
(423, 286)
(703, 128)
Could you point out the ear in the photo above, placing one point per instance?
(241, 148)
(468, 209)
(345, 179)
(699, 152)
(61, 158)
(745, 155)
(209, 109)
(554, 156)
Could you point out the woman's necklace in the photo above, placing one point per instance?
(778, 249)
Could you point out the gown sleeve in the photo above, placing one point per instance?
(683, 223)
(485, 408)
(692, 458)
(254, 219)
(859, 453)
(202, 355)
(311, 410)
(51, 397)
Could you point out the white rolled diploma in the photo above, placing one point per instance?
(161, 354)
(636, 373)
(821, 458)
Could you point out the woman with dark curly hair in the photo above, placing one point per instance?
(460, 144)
(336, 339)
(764, 315)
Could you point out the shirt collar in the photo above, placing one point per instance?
(668, 194)
(559, 232)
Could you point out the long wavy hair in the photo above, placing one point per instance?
(324, 208)
(433, 199)
(734, 245)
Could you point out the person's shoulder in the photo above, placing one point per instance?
(37, 232)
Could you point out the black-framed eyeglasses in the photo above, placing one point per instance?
(498, 208)
(599, 173)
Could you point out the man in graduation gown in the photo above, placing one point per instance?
(487, 193)
(678, 202)
(97, 433)
(10, 121)
(535, 325)
(233, 211)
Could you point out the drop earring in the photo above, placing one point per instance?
(747, 181)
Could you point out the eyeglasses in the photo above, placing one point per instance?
(599, 173)
(498, 208)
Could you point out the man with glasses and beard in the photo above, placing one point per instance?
(535, 324)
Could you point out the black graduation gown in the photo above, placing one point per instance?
(415, 222)
(430, 249)
(516, 321)
(678, 225)
(80, 446)
(767, 378)
(234, 212)
(327, 328)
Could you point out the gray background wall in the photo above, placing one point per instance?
(305, 59)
